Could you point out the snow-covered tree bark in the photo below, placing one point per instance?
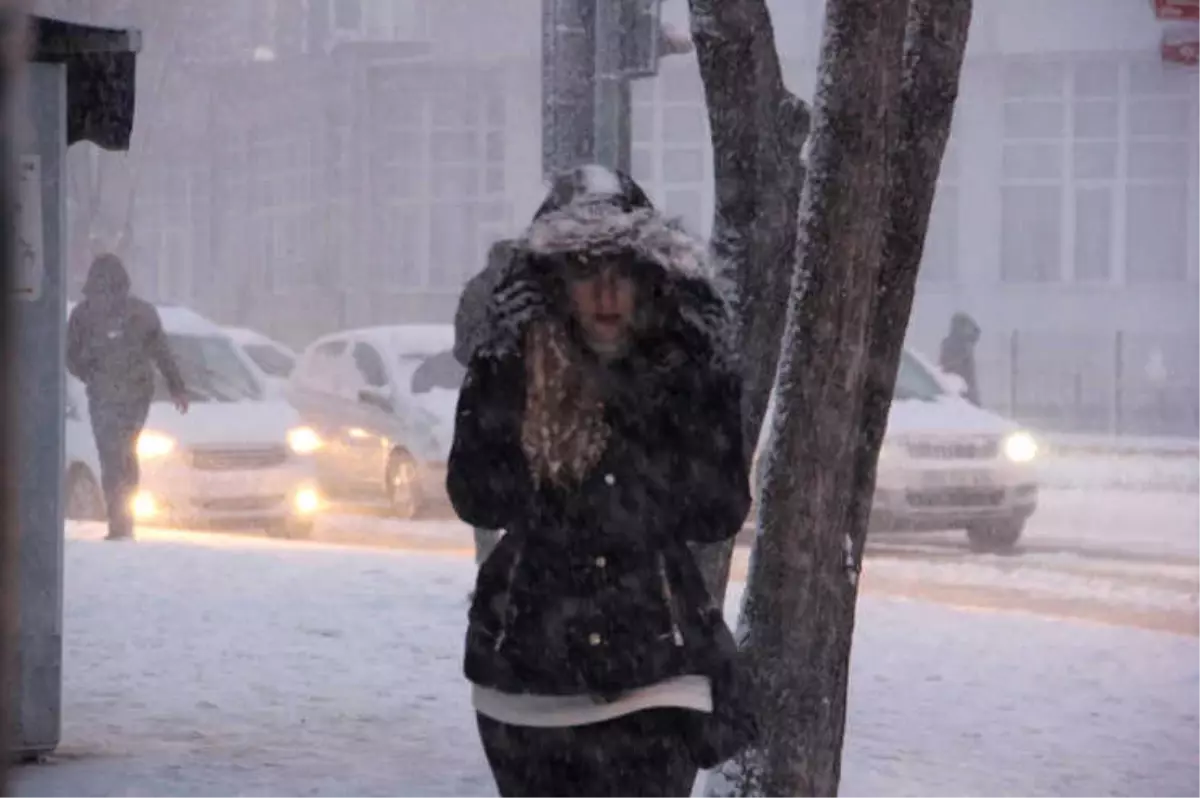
(758, 128)
(885, 97)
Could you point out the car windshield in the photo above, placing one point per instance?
(914, 382)
(435, 371)
(273, 361)
(211, 370)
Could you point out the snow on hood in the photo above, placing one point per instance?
(945, 415)
(233, 424)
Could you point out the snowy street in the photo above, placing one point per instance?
(201, 664)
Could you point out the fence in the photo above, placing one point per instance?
(1119, 383)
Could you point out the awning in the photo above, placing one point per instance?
(101, 77)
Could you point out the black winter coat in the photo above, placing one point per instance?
(592, 589)
(115, 341)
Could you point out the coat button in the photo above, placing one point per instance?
(609, 479)
(594, 639)
(601, 561)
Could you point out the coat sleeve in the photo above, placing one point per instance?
(79, 361)
(713, 476)
(160, 352)
(487, 479)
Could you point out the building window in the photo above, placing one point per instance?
(347, 15)
(283, 199)
(1098, 172)
(671, 149)
(441, 149)
(939, 260)
(1094, 169)
(1161, 135)
(1034, 124)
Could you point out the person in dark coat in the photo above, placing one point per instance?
(958, 353)
(470, 328)
(599, 425)
(114, 343)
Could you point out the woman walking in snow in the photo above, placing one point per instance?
(599, 424)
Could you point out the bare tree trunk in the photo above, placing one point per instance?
(758, 129)
(12, 59)
(877, 149)
(934, 47)
(799, 608)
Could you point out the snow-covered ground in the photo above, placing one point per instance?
(210, 664)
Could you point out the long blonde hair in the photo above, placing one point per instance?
(563, 433)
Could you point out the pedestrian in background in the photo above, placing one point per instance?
(958, 353)
(470, 329)
(114, 342)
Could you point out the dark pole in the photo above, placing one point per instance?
(568, 70)
(12, 60)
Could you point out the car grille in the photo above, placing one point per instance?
(956, 497)
(249, 459)
(243, 504)
(980, 449)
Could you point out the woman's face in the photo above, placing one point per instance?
(604, 303)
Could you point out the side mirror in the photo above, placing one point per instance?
(955, 383)
(376, 398)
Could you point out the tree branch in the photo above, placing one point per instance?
(758, 129)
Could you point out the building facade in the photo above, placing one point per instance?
(351, 160)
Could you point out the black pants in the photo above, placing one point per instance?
(116, 426)
(640, 754)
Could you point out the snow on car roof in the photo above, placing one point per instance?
(245, 335)
(179, 320)
(412, 339)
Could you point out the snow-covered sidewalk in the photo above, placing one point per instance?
(210, 665)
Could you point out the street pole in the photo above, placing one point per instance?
(611, 110)
(12, 61)
(568, 98)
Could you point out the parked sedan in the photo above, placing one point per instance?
(946, 464)
(383, 401)
(273, 361)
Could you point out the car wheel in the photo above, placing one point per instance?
(292, 529)
(995, 536)
(84, 500)
(404, 494)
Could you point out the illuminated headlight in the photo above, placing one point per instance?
(304, 440)
(152, 445)
(144, 506)
(1020, 447)
(306, 501)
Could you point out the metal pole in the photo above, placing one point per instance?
(568, 98)
(12, 58)
(610, 117)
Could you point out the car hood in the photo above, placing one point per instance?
(231, 423)
(947, 415)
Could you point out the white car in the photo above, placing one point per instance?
(946, 464)
(237, 458)
(384, 400)
(273, 361)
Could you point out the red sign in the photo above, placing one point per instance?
(1186, 53)
(1177, 9)
(1181, 45)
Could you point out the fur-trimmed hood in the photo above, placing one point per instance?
(614, 227)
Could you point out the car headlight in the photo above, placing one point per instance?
(1020, 447)
(152, 445)
(304, 440)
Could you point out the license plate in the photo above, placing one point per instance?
(965, 478)
(227, 485)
